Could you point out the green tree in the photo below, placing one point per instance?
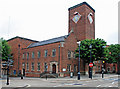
(114, 51)
(98, 52)
(5, 49)
(114, 55)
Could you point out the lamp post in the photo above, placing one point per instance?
(46, 67)
(18, 57)
(59, 59)
(103, 69)
(79, 62)
(90, 69)
(103, 64)
(8, 71)
(18, 61)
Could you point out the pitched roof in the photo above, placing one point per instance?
(22, 38)
(81, 5)
(50, 41)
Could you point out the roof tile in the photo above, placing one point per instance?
(50, 41)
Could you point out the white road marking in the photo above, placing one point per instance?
(98, 85)
(27, 85)
(19, 86)
(57, 86)
(113, 82)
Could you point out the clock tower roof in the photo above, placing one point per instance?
(81, 5)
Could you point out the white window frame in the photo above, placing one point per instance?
(27, 66)
(38, 54)
(32, 66)
(53, 52)
(38, 66)
(33, 55)
(46, 53)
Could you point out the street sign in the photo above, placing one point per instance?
(91, 64)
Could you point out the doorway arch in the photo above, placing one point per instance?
(54, 68)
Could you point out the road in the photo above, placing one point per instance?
(108, 81)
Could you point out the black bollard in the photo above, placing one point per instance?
(21, 76)
(102, 73)
(90, 72)
(7, 80)
(46, 77)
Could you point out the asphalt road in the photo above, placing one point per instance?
(108, 81)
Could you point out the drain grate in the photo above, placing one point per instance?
(77, 84)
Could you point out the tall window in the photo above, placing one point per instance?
(46, 52)
(68, 67)
(33, 55)
(53, 52)
(99, 68)
(27, 65)
(74, 55)
(23, 65)
(23, 55)
(38, 53)
(69, 54)
(45, 67)
(75, 68)
(38, 67)
(108, 69)
(27, 55)
(32, 66)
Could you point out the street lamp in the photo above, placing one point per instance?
(59, 59)
(18, 57)
(103, 69)
(8, 71)
(79, 62)
(102, 64)
(8, 64)
(90, 69)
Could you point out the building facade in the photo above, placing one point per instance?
(57, 55)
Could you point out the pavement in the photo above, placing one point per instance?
(85, 81)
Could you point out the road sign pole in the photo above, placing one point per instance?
(90, 69)
(79, 64)
(102, 69)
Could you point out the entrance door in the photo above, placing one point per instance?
(23, 72)
(53, 68)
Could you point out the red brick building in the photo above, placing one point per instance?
(17, 43)
(109, 67)
(55, 55)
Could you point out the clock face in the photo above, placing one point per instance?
(90, 18)
(76, 17)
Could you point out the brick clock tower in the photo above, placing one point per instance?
(82, 21)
